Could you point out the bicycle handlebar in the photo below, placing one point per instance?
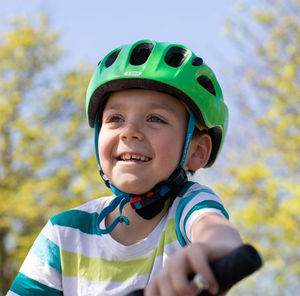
(230, 269)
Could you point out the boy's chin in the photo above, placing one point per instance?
(133, 184)
(136, 187)
(134, 190)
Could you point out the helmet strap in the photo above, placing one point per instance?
(152, 203)
(188, 138)
(120, 201)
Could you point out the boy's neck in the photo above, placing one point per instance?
(138, 229)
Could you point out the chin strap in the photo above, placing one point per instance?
(118, 201)
(150, 204)
(146, 205)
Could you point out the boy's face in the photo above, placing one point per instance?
(141, 138)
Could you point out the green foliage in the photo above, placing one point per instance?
(47, 162)
(263, 181)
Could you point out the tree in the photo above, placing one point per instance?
(263, 182)
(47, 162)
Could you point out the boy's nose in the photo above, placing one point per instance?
(132, 132)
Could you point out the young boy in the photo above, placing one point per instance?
(158, 113)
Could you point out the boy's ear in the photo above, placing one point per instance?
(199, 152)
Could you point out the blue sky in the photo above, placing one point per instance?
(90, 28)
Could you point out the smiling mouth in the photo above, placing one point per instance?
(133, 157)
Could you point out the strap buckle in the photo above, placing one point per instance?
(138, 202)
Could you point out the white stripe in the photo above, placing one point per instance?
(196, 215)
(49, 232)
(40, 271)
(82, 287)
(93, 205)
(10, 293)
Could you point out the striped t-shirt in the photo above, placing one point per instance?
(69, 257)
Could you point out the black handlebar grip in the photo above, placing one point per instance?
(234, 266)
(229, 269)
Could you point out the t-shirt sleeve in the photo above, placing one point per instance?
(192, 205)
(40, 273)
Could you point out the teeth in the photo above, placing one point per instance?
(128, 156)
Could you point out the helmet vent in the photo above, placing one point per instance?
(205, 82)
(141, 53)
(112, 58)
(197, 61)
(175, 56)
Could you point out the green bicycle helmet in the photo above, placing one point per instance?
(164, 67)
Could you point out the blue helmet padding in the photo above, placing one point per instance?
(96, 138)
(188, 138)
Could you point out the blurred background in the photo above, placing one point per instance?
(48, 50)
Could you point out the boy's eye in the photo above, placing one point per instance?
(154, 118)
(114, 118)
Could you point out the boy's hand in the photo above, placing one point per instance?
(173, 279)
(212, 237)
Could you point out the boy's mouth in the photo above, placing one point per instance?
(133, 156)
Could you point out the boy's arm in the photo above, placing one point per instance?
(212, 237)
(217, 233)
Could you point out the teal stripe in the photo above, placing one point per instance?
(84, 221)
(179, 210)
(47, 251)
(186, 187)
(208, 204)
(204, 205)
(26, 286)
(181, 207)
(178, 214)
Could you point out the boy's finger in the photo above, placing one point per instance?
(159, 288)
(161, 285)
(151, 290)
(200, 282)
(180, 283)
(166, 289)
(199, 264)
